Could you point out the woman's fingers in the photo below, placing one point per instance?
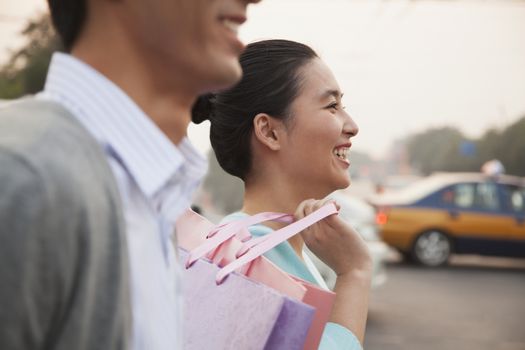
(310, 207)
(300, 211)
(332, 240)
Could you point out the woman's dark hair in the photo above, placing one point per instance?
(270, 83)
(68, 18)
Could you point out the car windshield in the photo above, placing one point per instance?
(419, 189)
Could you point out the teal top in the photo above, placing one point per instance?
(335, 336)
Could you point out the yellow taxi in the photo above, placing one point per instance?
(460, 213)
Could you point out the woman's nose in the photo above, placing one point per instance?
(350, 127)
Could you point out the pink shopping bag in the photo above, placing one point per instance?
(222, 244)
(239, 313)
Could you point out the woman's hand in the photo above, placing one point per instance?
(334, 241)
(343, 249)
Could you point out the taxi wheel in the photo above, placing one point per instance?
(432, 248)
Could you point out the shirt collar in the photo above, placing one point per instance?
(116, 120)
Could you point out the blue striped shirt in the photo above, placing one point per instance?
(156, 181)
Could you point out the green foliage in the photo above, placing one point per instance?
(439, 149)
(25, 71)
(511, 148)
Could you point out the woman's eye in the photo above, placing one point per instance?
(334, 105)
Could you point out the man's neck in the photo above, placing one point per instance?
(166, 101)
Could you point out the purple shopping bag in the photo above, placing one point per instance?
(239, 313)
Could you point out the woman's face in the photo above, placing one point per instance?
(318, 137)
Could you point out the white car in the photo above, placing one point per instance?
(362, 217)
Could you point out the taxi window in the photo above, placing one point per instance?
(447, 197)
(476, 196)
(464, 195)
(487, 196)
(515, 198)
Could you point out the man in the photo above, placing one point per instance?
(132, 74)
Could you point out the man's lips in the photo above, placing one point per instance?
(239, 19)
(232, 22)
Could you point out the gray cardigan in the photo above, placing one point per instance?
(63, 257)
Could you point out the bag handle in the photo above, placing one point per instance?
(222, 233)
(276, 238)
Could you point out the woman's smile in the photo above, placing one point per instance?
(341, 153)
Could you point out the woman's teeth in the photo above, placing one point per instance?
(341, 153)
(231, 25)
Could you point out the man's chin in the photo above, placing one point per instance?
(226, 76)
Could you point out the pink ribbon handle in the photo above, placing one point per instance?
(275, 238)
(222, 233)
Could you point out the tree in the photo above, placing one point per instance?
(511, 148)
(441, 149)
(25, 71)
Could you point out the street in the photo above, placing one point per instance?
(476, 303)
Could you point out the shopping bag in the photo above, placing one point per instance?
(238, 313)
(223, 243)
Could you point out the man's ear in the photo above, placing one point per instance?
(267, 131)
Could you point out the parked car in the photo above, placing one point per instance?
(361, 216)
(460, 213)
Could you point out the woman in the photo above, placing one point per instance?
(285, 133)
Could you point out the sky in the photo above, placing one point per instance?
(403, 65)
(13, 17)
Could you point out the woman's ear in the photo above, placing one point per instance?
(267, 131)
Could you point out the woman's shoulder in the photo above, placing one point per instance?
(256, 230)
(233, 217)
(282, 255)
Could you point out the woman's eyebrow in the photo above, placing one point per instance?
(335, 93)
